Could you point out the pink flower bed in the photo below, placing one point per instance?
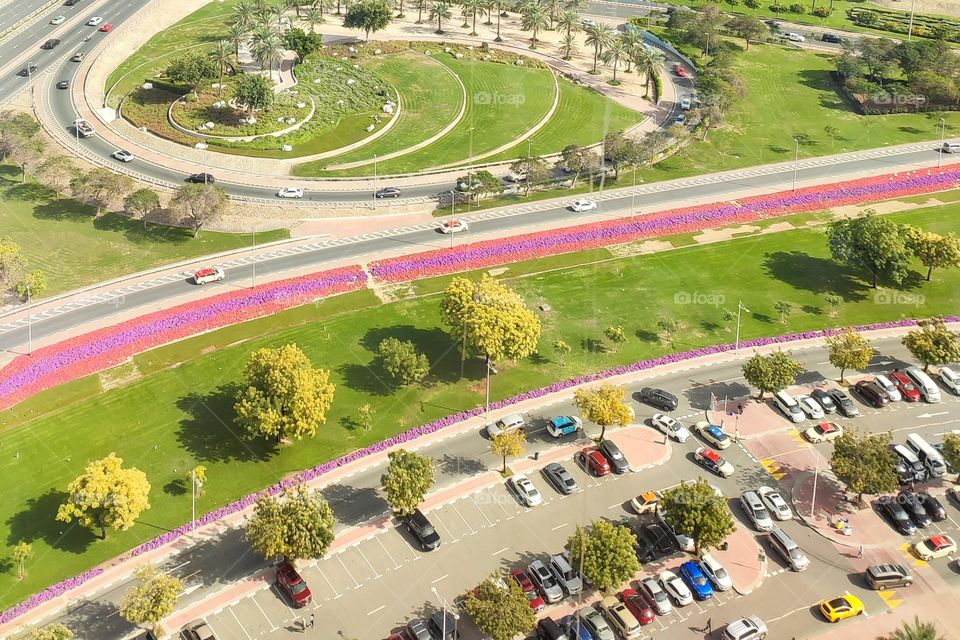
(675, 221)
(107, 347)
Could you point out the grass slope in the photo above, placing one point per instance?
(190, 416)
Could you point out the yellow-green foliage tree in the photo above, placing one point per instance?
(298, 526)
(849, 350)
(54, 631)
(409, 476)
(509, 443)
(604, 405)
(106, 495)
(152, 599)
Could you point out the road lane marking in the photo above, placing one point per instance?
(355, 583)
(439, 579)
(380, 608)
(498, 552)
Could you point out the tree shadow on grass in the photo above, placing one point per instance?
(38, 522)
(31, 192)
(208, 431)
(817, 275)
(435, 343)
(175, 487)
(63, 209)
(645, 335)
(134, 232)
(366, 378)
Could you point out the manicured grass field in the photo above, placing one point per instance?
(190, 415)
(62, 238)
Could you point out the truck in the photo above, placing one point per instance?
(83, 128)
(563, 426)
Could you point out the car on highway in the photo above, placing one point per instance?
(824, 399)
(63, 84)
(557, 475)
(560, 426)
(680, 70)
(546, 584)
(894, 512)
(844, 404)
(671, 427)
(810, 407)
(638, 605)
(656, 596)
(713, 434)
(686, 104)
(201, 178)
(582, 204)
(950, 379)
(524, 490)
(419, 525)
(50, 44)
(505, 424)
(888, 387)
(94, 21)
(823, 432)
(290, 192)
(208, 274)
(107, 28)
(794, 37)
(27, 71)
(775, 503)
(831, 37)
(752, 628)
(837, 609)
(712, 568)
(872, 393)
(933, 506)
(78, 56)
(197, 630)
(938, 546)
(122, 155)
(593, 462)
(387, 192)
(646, 501)
(618, 461)
(292, 583)
(618, 616)
(663, 400)
(908, 391)
(696, 580)
(454, 226)
(594, 622)
(675, 587)
(713, 462)
(58, 20)
(526, 585)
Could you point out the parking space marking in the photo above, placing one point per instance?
(439, 579)
(266, 617)
(452, 537)
(472, 531)
(239, 624)
(356, 585)
(380, 608)
(498, 502)
(485, 516)
(396, 565)
(337, 594)
(498, 552)
(559, 526)
(376, 574)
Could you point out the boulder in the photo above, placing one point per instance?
(280, 119)
(388, 108)
(200, 145)
(286, 147)
(351, 81)
(353, 49)
(446, 49)
(209, 125)
(377, 52)
(252, 120)
(291, 120)
(519, 63)
(370, 127)
(301, 105)
(148, 85)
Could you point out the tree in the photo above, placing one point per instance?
(569, 44)
(951, 451)
(32, 283)
(562, 349)
(864, 462)
(479, 184)
(314, 17)
(22, 552)
(616, 54)
(369, 15)
(12, 263)
(632, 40)
(500, 613)
(198, 478)
(932, 343)
(408, 478)
(225, 58)
(266, 45)
(535, 169)
(509, 443)
(916, 631)
(57, 172)
(533, 17)
(695, 510)
(749, 28)
(489, 319)
(236, 35)
(578, 160)
(152, 599)
(648, 63)
(27, 153)
(872, 243)
(55, 631)
(604, 405)
(934, 250)
(141, 204)
(191, 69)
(471, 8)
(606, 552)
(569, 22)
(834, 301)
(106, 495)
(283, 395)
(772, 372)
(253, 91)
(669, 327)
(616, 335)
(440, 11)
(15, 128)
(753, 5)
(243, 14)
(849, 350)
(300, 526)
(621, 151)
(198, 205)
(783, 308)
(365, 414)
(599, 35)
(402, 361)
(99, 188)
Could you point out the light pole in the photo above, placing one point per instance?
(943, 128)
(736, 346)
(193, 499)
(29, 322)
(490, 369)
(910, 27)
(443, 605)
(470, 170)
(796, 162)
(374, 182)
(813, 499)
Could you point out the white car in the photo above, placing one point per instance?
(685, 541)
(290, 192)
(208, 274)
(795, 37)
(94, 21)
(823, 432)
(713, 434)
(715, 572)
(587, 22)
(775, 503)
(505, 424)
(670, 427)
(454, 226)
(810, 407)
(674, 586)
(583, 205)
(686, 103)
(680, 119)
(950, 379)
(58, 20)
(122, 155)
(884, 383)
(936, 546)
(525, 490)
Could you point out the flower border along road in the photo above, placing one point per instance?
(320, 470)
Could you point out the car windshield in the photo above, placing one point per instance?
(720, 573)
(298, 587)
(699, 581)
(760, 513)
(796, 554)
(569, 481)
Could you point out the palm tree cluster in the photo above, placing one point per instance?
(627, 48)
(258, 22)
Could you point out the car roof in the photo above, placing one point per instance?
(941, 540)
(710, 455)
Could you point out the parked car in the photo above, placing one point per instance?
(526, 585)
(618, 462)
(755, 511)
(417, 630)
(208, 274)
(443, 626)
(387, 192)
(949, 379)
(775, 503)
(888, 387)
(594, 622)
(908, 391)
(565, 575)
(915, 509)
(686, 104)
(290, 582)
(713, 434)
(620, 618)
(656, 596)
(713, 462)
(831, 37)
(290, 192)
(934, 547)
(670, 427)
(423, 530)
(680, 119)
(646, 501)
(788, 406)
(837, 609)
(638, 605)
(824, 399)
(582, 204)
(122, 155)
(593, 462)
(563, 426)
(663, 400)
(662, 542)
(560, 478)
(896, 515)
(844, 404)
(546, 583)
(674, 586)
(695, 579)
(685, 541)
(810, 407)
(712, 568)
(525, 491)
(197, 630)
(933, 506)
(454, 226)
(823, 432)
(573, 629)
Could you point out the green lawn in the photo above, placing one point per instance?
(190, 413)
(62, 238)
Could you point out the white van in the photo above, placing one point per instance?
(928, 389)
(930, 457)
(950, 147)
(788, 406)
(950, 379)
(789, 550)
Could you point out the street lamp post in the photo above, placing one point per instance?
(374, 182)
(813, 499)
(796, 162)
(943, 129)
(29, 322)
(910, 27)
(193, 499)
(740, 307)
(490, 369)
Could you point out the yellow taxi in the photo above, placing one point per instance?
(841, 608)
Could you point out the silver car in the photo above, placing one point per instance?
(565, 575)
(658, 597)
(595, 624)
(546, 583)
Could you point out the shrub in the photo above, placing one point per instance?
(822, 12)
(798, 8)
(776, 7)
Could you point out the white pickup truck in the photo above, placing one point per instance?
(84, 130)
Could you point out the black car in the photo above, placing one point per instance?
(51, 43)
(417, 630)
(660, 539)
(933, 506)
(896, 514)
(201, 178)
(443, 626)
(422, 529)
(872, 393)
(843, 403)
(388, 192)
(618, 462)
(560, 478)
(659, 398)
(773, 24)
(915, 509)
(26, 71)
(70, 3)
(832, 37)
(824, 400)
(63, 84)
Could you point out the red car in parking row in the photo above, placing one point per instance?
(526, 584)
(638, 605)
(291, 583)
(907, 389)
(593, 462)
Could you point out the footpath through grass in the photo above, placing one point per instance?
(48, 439)
(62, 238)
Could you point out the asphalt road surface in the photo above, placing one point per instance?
(369, 589)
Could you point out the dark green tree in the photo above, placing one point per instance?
(694, 509)
(368, 15)
(864, 462)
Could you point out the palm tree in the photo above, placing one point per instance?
(313, 17)
(533, 18)
(569, 44)
(260, 7)
(489, 7)
(616, 53)
(554, 6)
(224, 57)
(916, 631)
(647, 60)
(243, 13)
(633, 41)
(598, 36)
(267, 48)
(497, 5)
(569, 21)
(472, 7)
(421, 5)
(292, 4)
(575, 5)
(236, 34)
(440, 11)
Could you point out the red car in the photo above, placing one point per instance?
(593, 462)
(904, 386)
(536, 602)
(638, 606)
(106, 28)
(296, 587)
(680, 70)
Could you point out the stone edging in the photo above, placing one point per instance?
(276, 134)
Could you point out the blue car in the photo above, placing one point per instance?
(575, 630)
(693, 577)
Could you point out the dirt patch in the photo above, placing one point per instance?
(890, 206)
(119, 376)
(629, 249)
(944, 7)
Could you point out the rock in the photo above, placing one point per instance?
(388, 108)
(215, 85)
(446, 49)
(519, 63)
(200, 145)
(377, 52)
(353, 49)
(370, 127)
(286, 147)
(144, 129)
(340, 102)
(148, 85)
(209, 125)
(200, 127)
(291, 120)
(356, 66)
(251, 120)
(301, 105)
(351, 81)
(280, 119)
